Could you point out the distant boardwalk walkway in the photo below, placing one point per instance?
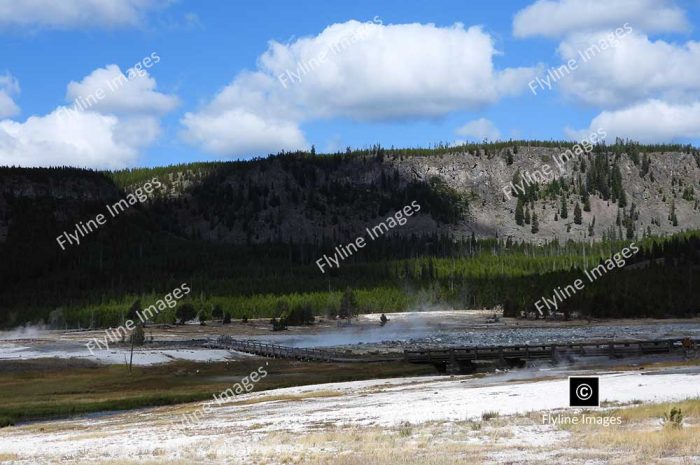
(295, 353)
(462, 359)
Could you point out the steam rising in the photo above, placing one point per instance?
(24, 332)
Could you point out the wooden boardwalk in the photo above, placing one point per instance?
(461, 359)
(295, 353)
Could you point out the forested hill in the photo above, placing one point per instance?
(625, 190)
(622, 191)
(254, 228)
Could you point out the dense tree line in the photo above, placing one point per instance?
(146, 253)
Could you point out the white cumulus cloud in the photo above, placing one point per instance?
(107, 135)
(361, 71)
(108, 90)
(241, 132)
(636, 69)
(84, 140)
(648, 122)
(550, 18)
(65, 14)
(645, 88)
(479, 129)
(9, 87)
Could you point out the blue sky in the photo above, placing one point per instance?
(215, 92)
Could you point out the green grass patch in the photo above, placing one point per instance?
(42, 392)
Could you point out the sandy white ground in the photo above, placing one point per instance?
(234, 431)
(142, 357)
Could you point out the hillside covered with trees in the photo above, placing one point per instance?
(246, 235)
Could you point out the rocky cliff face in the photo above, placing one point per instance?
(483, 178)
(310, 199)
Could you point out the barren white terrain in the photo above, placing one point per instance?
(493, 419)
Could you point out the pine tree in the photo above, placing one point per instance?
(527, 215)
(519, 216)
(633, 153)
(134, 311)
(138, 336)
(348, 305)
(587, 203)
(217, 312)
(516, 180)
(535, 224)
(509, 157)
(623, 199)
(645, 166)
(185, 312)
(577, 214)
(618, 193)
(672, 216)
(564, 211)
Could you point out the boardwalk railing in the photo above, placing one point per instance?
(441, 356)
(277, 351)
(545, 351)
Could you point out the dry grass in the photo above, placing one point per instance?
(653, 443)
(407, 444)
(641, 438)
(287, 397)
(690, 407)
(145, 462)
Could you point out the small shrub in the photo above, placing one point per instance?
(56, 319)
(278, 325)
(217, 312)
(185, 312)
(138, 336)
(299, 316)
(134, 311)
(674, 419)
(486, 416)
